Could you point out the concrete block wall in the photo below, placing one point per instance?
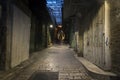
(115, 34)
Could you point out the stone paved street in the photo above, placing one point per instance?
(58, 58)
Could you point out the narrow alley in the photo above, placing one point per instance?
(59, 39)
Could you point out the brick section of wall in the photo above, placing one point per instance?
(115, 34)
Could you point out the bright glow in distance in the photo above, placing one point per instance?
(51, 26)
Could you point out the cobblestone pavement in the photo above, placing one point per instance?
(58, 58)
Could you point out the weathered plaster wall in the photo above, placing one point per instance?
(20, 37)
(94, 40)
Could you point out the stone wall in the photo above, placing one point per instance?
(95, 49)
(15, 25)
(101, 39)
(38, 34)
(2, 34)
(115, 34)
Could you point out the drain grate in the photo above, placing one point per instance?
(44, 75)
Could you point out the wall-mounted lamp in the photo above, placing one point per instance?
(51, 26)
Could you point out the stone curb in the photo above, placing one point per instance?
(95, 71)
